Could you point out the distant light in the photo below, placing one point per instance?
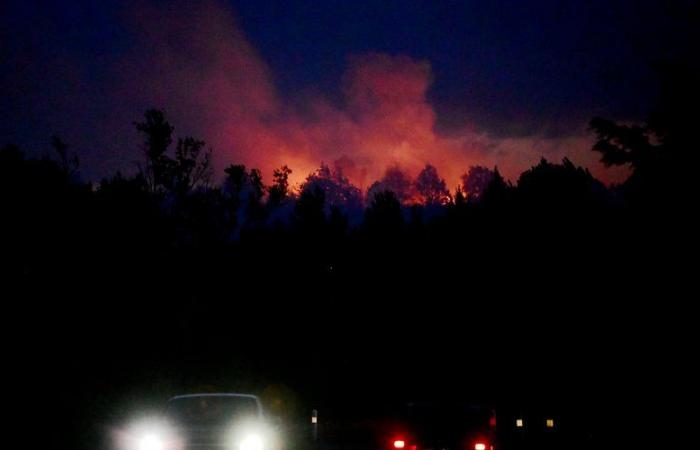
(399, 443)
(550, 423)
(519, 423)
(314, 419)
(479, 446)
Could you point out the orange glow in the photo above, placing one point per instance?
(385, 118)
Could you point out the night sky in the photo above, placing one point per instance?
(362, 85)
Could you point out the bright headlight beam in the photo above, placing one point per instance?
(150, 442)
(251, 442)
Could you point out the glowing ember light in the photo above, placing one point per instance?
(399, 443)
(479, 446)
(550, 423)
(519, 423)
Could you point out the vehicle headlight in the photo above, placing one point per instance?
(250, 442)
(151, 442)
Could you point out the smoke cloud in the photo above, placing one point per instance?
(193, 60)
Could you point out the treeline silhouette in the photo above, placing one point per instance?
(171, 205)
(163, 277)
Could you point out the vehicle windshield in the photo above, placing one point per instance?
(212, 410)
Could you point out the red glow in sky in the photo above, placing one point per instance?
(213, 84)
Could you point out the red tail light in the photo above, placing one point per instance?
(479, 446)
(399, 443)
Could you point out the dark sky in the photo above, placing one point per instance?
(507, 65)
(371, 83)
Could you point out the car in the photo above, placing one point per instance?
(446, 426)
(205, 421)
(410, 426)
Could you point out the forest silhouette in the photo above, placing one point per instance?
(172, 203)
